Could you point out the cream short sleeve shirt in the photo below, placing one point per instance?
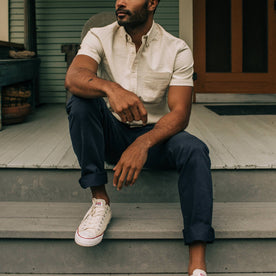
(162, 61)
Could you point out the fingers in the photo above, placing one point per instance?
(129, 180)
(135, 176)
(127, 105)
(122, 179)
(124, 175)
(127, 116)
(134, 114)
(119, 176)
(134, 111)
(117, 171)
(143, 113)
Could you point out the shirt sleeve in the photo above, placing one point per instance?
(91, 46)
(183, 68)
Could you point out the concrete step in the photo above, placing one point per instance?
(53, 256)
(152, 186)
(142, 238)
(163, 274)
(42, 220)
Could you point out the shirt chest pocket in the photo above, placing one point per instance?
(155, 86)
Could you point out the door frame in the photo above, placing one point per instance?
(235, 81)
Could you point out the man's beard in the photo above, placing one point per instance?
(135, 19)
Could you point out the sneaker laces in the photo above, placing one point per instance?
(94, 218)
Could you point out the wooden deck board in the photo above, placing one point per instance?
(258, 139)
(235, 142)
(255, 141)
(241, 143)
(38, 148)
(16, 143)
(221, 157)
(68, 160)
(58, 152)
(38, 142)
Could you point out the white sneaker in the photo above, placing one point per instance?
(199, 272)
(94, 223)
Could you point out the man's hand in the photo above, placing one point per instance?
(127, 105)
(130, 164)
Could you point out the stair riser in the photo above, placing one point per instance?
(159, 274)
(152, 186)
(136, 256)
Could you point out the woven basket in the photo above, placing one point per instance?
(15, 114)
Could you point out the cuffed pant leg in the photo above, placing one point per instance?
(191, 158)
(87, 135)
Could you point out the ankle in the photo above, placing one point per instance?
(99, 192)
(193, 266)
(107, 201)
(197, 257)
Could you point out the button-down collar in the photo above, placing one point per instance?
(152, 34)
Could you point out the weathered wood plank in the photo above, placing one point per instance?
(68, 160)
(262, 141)
(34, 154)
(194, 129)
(234, 141)
(220, 156)
(16, 138)
(56, 155)
(24, 149)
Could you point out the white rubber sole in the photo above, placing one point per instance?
(87, 242)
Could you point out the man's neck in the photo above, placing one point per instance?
(137, 33)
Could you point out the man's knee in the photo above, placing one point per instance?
(184, 142)
(199, 147)
(185, 147)
(80, 109)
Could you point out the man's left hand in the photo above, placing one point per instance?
(130, 164)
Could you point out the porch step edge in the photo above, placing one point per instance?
(152, 186)
(45, 220)
(163, 274)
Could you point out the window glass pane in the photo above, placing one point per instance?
(218, 36)
(255, 36)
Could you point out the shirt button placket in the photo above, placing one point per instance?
(134, 74)
(133, 68)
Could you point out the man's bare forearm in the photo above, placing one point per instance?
(169, 125)
(84, 83)
(179, 101)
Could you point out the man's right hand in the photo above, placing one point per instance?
(127, 105)
(82, 81)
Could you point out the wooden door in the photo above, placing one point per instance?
(234, 46)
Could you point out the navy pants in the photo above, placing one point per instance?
(97, 136)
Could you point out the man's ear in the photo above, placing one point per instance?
(152, 5)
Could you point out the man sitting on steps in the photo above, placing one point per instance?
(145, 76)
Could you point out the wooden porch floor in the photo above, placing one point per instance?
(235, 142)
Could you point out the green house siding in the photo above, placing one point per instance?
(60, 22)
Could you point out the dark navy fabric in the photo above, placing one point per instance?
(97, 136)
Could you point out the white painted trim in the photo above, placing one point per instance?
(186, 21)
(4, 20)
